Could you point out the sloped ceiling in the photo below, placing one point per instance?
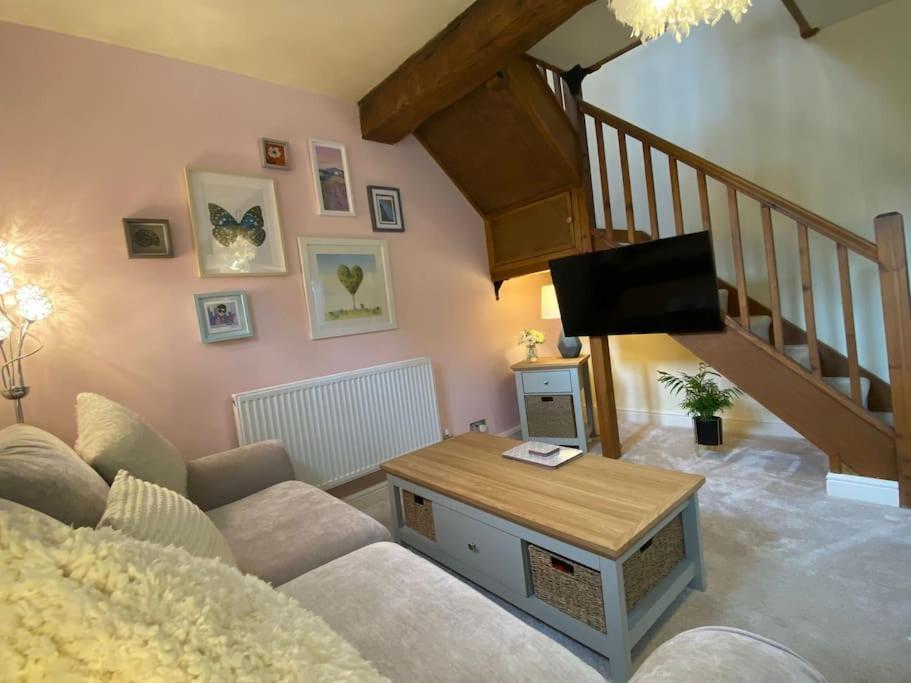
(334, 47)
(340, 48)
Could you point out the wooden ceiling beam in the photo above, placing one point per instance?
(806, 29)
(469, 51)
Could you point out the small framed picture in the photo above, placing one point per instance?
(385, 209)
(331, 179)
(275, 154)
(223, 316)
(148, 237)
(236, 228)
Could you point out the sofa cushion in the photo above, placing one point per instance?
(112, 438)
(715, 653)
(96, 605)
(290, 528)
(40, 471)
(415, 622)
(149, 512)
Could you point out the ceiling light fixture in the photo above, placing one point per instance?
(650, 19)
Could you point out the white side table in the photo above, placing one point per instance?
(555, 401)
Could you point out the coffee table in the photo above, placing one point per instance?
(570, 546)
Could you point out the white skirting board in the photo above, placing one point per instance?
(514, 433)
(732, 425)
(865, 489)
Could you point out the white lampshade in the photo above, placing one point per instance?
(550, 309)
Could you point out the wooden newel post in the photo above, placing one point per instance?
(893, 276)
(602, 375)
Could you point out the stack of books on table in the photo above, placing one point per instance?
(544, 454)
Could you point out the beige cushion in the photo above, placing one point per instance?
(292, 527)
(113, 438)
(39, 471)
(149, 512)
(416, 622)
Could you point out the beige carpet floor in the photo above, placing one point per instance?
(829, 578)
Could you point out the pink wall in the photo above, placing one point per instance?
(92, 133)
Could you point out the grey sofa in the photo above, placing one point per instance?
(414, 621)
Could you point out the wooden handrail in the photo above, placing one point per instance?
(802, 216)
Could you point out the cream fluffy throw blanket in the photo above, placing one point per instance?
(81, 604)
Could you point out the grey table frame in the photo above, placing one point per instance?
(624, 628)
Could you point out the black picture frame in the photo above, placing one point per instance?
(385, 208)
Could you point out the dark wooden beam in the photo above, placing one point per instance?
(806, 30)
(464, 55)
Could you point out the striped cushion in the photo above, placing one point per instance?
(149, 512)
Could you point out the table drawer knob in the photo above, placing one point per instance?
(473, 547)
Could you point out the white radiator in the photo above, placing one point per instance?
(340, 427)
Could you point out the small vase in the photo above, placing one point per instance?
(531, 354)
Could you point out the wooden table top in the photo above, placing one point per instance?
(598, 504)
(551, 363)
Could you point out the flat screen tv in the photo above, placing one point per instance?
(668, 285)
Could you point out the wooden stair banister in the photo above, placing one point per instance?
(855, 437)
(893, 273)
(798, 213)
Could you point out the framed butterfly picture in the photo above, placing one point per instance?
(236, 228)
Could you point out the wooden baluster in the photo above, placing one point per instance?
(675, 194)
(558, 87)
(704, 201)
(605, 187)
(809, 309)
(627, 188)
(893, 277)
(847, 304)
(772, 266)
(743, 302)
(650, 190)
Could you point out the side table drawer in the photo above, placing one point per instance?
(492, 552)
(547, 382)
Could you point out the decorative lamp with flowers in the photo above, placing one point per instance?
(22, 306)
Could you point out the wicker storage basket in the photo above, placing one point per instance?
(550, 416)
(419, 514)
(576, 589)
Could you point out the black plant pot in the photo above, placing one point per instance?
(708, 432)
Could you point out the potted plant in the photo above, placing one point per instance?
(702, 400)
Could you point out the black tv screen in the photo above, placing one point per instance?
(667, 285)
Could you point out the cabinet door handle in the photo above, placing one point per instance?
(473, 547)
(546, 382)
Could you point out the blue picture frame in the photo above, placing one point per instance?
(223, 316)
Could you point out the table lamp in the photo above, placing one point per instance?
(569, 347)
(21, 306)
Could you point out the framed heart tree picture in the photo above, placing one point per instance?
(348, 286)
(236, 228)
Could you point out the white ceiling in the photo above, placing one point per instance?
(822, 13)
(335, 47)
(593, 33)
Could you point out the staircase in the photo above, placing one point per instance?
(518, 147)
(847, 411)
(825, 395)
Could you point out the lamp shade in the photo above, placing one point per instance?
(550, 309)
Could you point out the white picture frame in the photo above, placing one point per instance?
(223, 316)
(366, 278)
(226, 236)
(329, 166)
